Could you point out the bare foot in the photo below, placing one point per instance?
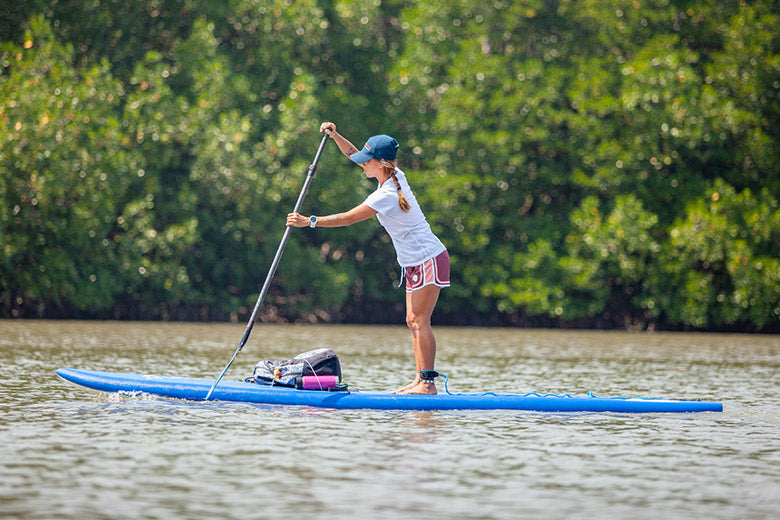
(420, 389)
(404, 389)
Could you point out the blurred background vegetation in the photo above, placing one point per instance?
(589, 163)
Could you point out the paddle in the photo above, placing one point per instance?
(274, 265)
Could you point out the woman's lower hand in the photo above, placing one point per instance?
(297, 220)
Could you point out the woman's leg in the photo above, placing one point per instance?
(419, 309)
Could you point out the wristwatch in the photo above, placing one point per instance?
(312, 221)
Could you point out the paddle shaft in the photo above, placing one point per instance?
(274, 265)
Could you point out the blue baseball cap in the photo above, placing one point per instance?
(377, 147)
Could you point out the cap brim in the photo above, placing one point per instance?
(361, 157)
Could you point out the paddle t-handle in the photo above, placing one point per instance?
(274, 265)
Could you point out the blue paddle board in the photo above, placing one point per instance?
(197, 389)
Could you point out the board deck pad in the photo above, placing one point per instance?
(238, 391)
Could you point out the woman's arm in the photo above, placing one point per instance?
(356, 214)
(342, 142)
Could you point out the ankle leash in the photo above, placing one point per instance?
(428, 376)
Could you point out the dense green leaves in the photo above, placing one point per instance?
(721, 261)
(587, 162)
(65, 158)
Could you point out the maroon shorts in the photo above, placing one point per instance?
(434, 271)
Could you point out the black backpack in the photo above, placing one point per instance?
(320, 362)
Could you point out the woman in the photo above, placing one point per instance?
(423, 258)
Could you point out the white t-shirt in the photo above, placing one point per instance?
(411, 234)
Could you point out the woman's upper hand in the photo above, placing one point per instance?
(329, 128)
(297, 220)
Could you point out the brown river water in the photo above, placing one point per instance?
(72, 453)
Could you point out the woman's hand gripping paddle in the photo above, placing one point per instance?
(274, 265)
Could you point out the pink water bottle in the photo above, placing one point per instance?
(316, 382)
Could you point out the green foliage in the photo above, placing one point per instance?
(64, 161)
(610, 262)
(721, 262)
(587, 163)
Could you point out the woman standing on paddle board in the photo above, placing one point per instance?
(423, 258)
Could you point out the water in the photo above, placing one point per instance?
(68, 452)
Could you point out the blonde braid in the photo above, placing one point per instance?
(390, 167)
